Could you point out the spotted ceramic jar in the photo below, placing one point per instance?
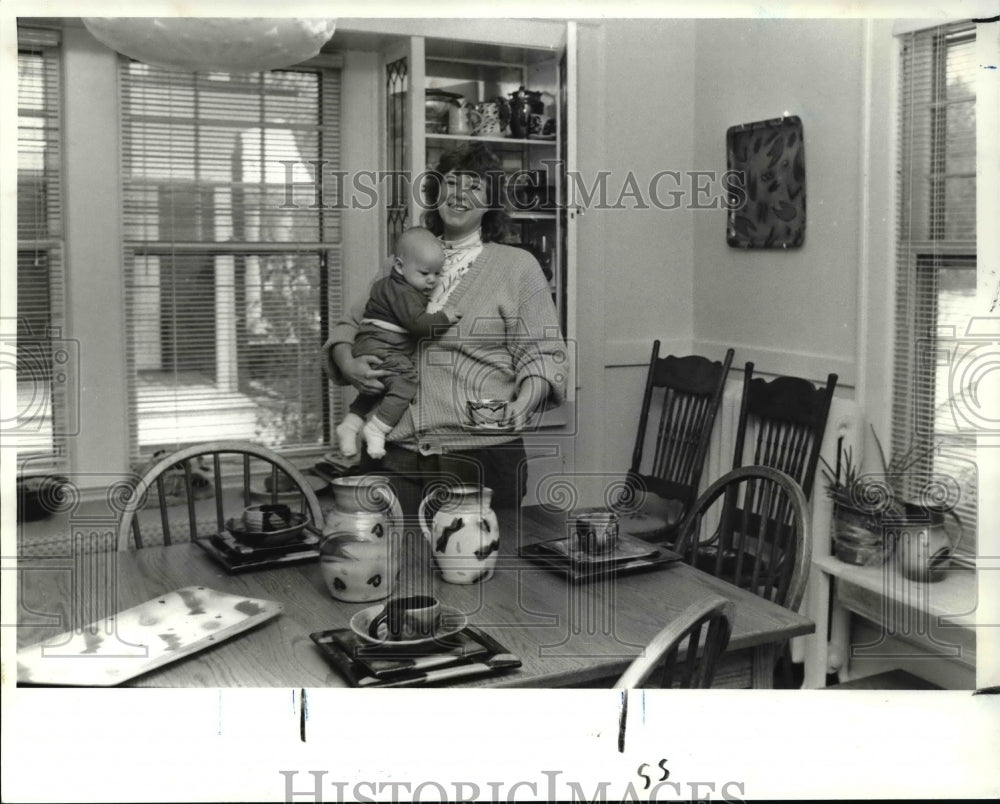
(359, 554)
(462, 532)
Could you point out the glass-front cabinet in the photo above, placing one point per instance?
(443, 92)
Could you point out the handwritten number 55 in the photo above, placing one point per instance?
(662, 764)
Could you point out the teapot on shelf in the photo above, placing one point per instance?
(523, 104)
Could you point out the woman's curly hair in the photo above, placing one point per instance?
(472, 158)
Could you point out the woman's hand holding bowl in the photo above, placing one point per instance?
(531, 393)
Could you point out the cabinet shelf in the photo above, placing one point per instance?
(550, 141)
(541, 215)
(418, 135)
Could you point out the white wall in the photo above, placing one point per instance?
(792, 311)
(660, 95)
(634, 272)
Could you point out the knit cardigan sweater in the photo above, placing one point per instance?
(509, 331)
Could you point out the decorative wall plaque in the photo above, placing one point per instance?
(767, 184)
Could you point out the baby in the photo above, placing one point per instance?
(395, 319)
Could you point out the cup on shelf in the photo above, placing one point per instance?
(541, 125)
(462, 118)
(492, 119)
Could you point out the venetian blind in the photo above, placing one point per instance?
(232, 253)
(936, 266)
(46, 357)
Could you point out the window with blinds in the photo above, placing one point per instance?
(232, 255)
(936, 267)
(45, 356)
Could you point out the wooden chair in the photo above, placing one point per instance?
(194, 490)
(785, 419)
(757, 522)
(759, 517)
(679, 656)
(671, 445)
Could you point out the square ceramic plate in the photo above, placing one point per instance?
(468, 653)
(167, 628)
(557, 554)
(627, 548)
(236, 558)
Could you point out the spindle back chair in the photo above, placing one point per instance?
(685, 653)
(194, 490)
(680, 402)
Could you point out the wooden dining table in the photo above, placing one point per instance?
(567, 632)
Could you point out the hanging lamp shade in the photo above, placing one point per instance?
(193, 44)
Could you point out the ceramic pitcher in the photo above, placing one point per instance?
(493, 118)
(463, 533)
(926, 540)
(359, 555)
(462, 118)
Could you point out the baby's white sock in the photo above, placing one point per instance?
(347, 434)
(375, 432)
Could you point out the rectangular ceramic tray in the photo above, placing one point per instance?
(468, 653)
(558, 555)
(169, 627)
(234, 561)
(627, 548)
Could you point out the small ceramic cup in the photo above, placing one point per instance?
(596, 532)
(414, 617)
(490, 122)
(541, 125)
(490, 413)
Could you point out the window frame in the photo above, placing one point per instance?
(45, 350)
(327, 250)
(918, 340)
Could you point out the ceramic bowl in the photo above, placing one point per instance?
(489, 413)
(271, 538)
(437, 102)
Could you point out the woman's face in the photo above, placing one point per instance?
(462, 205)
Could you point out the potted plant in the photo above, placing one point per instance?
(864, 502)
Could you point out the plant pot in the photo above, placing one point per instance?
(926, 540)
(858, 536)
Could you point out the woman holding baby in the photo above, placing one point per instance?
(504, 345)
